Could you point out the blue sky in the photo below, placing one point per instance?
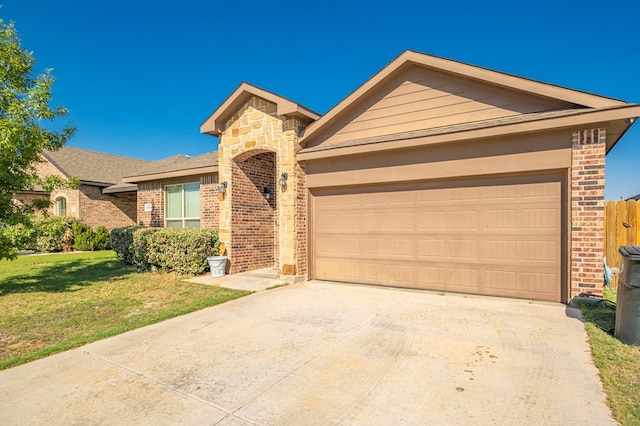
(140, 76)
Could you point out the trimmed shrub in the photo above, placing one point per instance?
(183, 251)
(140, 247)
(122, 243)
(54, 234)
(83, 237)
(101, 239)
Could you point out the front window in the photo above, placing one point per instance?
(60, 206)
(182, 206)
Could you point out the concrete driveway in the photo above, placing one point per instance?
(325, 353)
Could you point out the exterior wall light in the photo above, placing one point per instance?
(223, 187)
(283, 179)
(266, 193)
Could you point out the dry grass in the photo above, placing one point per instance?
(52, 303)
(619, 364)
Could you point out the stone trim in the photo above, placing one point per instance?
(255, 128)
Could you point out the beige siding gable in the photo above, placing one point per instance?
(422, 98)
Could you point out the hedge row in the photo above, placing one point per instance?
(65, 234)
(183, 251)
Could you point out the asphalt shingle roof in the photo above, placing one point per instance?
(93, 166)
(177, 163)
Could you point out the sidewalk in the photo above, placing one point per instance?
(258, 280)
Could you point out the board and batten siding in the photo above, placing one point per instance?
(423, 99)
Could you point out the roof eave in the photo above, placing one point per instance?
(93, 183)
(119, 189)
(171, 174)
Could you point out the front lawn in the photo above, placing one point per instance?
(50, 303)
(619, 364)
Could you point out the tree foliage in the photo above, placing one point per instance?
(24, 109)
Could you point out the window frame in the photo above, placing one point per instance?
(183, 207)
(60, 199)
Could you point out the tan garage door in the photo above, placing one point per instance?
(487, 236)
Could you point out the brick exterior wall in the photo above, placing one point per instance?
(253, 235)
(302, 204)
(153, 192)
(109, 210)
(27, 199)
(254, 129)
(209, 202)
(587, 211)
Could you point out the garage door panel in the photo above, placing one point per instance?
(430, 197)
(430, 248)
(540, 192)
(497, 236)
(462, 279)
(431, 275)
(541, 250)
(338, 245)
(463, 249)
(428, 221)
(500, 250)
(463, 194)
(500, 281)
(501, 219)
(463, 220)
(501, 193)
(538, 283)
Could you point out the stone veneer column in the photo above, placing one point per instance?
(587, 210)
(257, 127)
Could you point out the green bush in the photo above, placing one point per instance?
(54, 234)
(101, 239)
(83, 237)
(140, 248)
(183, 251)
(122, 243)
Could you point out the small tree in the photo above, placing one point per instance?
(24, 106)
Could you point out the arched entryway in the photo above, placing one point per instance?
(254, 200)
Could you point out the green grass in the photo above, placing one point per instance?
(619, 364)
(51, 303)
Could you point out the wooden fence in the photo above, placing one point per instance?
(620, 229)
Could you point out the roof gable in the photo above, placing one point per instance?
(215, 123)
(449, 88)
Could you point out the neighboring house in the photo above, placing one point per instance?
(635, 197)
(102, 198)
(433, 174)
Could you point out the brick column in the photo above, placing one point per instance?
(151, 193)
(587, 210)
